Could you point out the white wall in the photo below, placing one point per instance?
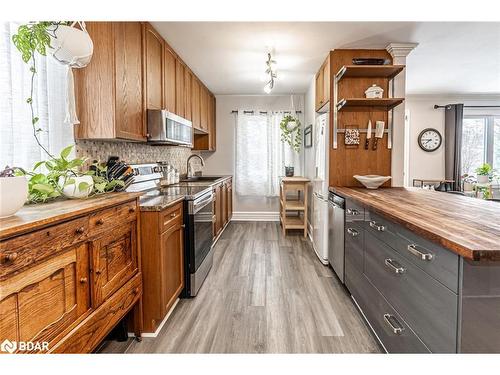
(222, 161)
(430, 165)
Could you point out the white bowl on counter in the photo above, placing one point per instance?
(372, 181)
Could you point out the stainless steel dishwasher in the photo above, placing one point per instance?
(336, 207)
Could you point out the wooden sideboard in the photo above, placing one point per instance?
(69, 272)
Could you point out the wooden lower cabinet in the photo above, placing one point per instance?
(57, 298)
(162, 244)
(223, 205)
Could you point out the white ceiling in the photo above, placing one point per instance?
(452, 58)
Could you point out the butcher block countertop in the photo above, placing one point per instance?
(35, 216)
(467, 226)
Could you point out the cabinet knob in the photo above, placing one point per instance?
(83, 280)
(7, 258)
(135, 291)
(173, 215)
(183, 226)
(80, 230)
(98, 272)
(100, 222)
(131, 209)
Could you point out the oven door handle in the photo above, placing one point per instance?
(198, 205)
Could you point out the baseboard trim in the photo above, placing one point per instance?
(255, 216)
(155, 333)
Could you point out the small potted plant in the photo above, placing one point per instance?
(13, 191)
(483, 173)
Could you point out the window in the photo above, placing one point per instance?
(17, 144)
(260, 154)
(480, 142)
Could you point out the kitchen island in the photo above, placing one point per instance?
(424, 268)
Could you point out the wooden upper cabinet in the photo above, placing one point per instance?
(129, 114)
(188, 76)
(114, 261)
(179, 88)
(41, 302)
(195, 102)
(153, 61)
(204, 96)
(323, 85)
(211, 124)
(169, 76)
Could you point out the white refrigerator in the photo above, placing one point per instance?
(320, 188)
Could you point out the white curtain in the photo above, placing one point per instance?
(260, 155)
(17, 144)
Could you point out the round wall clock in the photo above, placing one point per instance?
(429, 139)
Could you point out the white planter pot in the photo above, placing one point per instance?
(72, 191)
(468, 186)
(483, 179)
(291, 125)
(72, 46)
(13, 194)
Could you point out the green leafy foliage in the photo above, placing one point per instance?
(293, 137)
(101, 183)
(484, 170)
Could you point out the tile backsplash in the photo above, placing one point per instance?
(135, 153)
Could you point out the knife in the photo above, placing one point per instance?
(379, 132)
(368, 135)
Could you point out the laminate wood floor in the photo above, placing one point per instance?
(265, 294)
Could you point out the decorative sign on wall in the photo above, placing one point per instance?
(308, 136)
(351, 135)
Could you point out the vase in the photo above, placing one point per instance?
(13, 194)
(483, 179)
(289, 171)
(73, 191)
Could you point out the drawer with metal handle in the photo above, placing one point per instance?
(438, 262)
(393, 332)
(353, 248)
(380, 227)
(354, 212)
(426, 305)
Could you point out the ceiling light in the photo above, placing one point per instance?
(271, 74)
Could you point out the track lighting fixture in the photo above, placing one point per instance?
(271, 74)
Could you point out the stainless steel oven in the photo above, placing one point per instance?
(198, 217)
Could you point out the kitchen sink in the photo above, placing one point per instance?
(201, 179)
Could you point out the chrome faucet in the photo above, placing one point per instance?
(188, 166)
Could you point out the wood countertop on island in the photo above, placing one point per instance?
(36, 216)
(469, 227)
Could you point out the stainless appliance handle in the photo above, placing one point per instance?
(393, 323)
(201, 202)
(320, 197)
(413, 249)
(380, 228)
(394, 266)
(352, 232)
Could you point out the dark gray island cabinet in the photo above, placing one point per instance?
(417, 295)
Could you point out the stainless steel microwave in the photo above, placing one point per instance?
(167, 128)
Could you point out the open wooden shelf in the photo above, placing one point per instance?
(294, 222)
(293, 205)
(385, 103)
(369, 71)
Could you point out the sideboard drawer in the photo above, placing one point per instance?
(354, 211)
(425, 304)
(380, 227)
(28, 249)
(103, 221)
(171, 216)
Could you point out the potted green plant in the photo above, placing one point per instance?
(291, 132)
(483, 173)
(13, 191)
(468, 182)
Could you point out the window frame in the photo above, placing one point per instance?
(489, 135)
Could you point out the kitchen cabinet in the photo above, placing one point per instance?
(195, 103)
(169, 81)
(219, 224)
(109, 91)
(323, 86)
(188, 77)
(204, 100)
(154, 65)
(162, 245)
(223, 205)
(229, 200)
(180, 94)
(212, 131)
(75, 284)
